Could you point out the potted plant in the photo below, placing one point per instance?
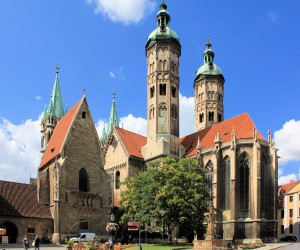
(69, 244)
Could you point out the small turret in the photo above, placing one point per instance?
(52, 114)
(113, 118)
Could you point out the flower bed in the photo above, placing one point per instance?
(251, 245)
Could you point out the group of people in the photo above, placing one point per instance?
(35, 243)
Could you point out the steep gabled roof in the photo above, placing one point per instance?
(132, 141)
(19, 199)
(242, 125)
(59, 135)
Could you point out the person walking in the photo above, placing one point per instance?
(25, 243)
(37, 242)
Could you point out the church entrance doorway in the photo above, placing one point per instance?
(11, 231)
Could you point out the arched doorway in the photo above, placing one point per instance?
(11, 231)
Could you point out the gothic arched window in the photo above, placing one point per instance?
(162, 109)
(225, 190)
(211, 116)
(83, 181)
(209, 176)
(151, 112)
(264, 180)
(244, 167)
(118, 183)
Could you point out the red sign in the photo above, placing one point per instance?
(133, 229)
(133, 224)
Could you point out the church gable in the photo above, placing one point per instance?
(83, 151)
(58, 138)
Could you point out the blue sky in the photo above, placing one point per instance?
(100, 46)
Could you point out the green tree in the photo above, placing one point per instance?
(172, 191)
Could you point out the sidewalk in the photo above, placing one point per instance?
(42, 246)
(270, 246)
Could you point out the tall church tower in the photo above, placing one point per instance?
(163, 50)
(208, 91)
(52, 114)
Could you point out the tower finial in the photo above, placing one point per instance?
(84, 91)
(114, 95)
(57, 69)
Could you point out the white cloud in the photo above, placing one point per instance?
(111, 74)
(134, 124)
(286, 179)
(280, 171)
(124, 11)
(273, 16)
(20, 150)
(38, 98)
(287, 141)
(186, 112)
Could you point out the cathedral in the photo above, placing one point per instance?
(79, 178)
(242, 165)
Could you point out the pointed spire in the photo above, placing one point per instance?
(208, 55)
(56, 105)
(198, 143)
(104, 135)
(163, 17)
(254, 133)
(67, 107)
(217, 137)
(113, 118)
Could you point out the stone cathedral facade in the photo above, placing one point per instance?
(242, 164)
(75, 190)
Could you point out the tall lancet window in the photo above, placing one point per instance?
(244, 167)
(225, 187)
(210, 177)
(264, 180)
(118, 183)
(83, 181)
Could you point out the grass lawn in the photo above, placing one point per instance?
(161, 246)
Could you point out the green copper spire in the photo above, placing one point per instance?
(209, 67)
(104, 135)
(55, 107)
(113, 118)
(163, 31)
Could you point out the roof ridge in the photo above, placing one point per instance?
(130, 131)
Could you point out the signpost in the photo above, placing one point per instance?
(133, 226)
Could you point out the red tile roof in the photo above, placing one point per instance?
(59, 135)
(287, 187)
(132, 141)
(18, 199)
(282, 190)
(242, 125)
